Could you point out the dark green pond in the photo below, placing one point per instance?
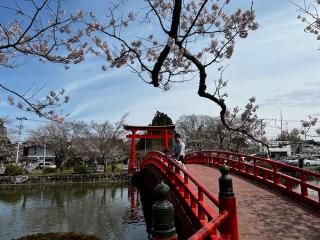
(107, 211)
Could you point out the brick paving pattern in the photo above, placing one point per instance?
(263, 214)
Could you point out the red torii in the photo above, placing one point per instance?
(164, 134)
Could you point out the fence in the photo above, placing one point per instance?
(294, 181)
(222, 225)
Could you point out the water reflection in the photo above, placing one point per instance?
(311, 192)
(297, 187)
(109, 212)
(10, 197)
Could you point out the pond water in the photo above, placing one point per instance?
(107, 211)
(311, 193)
(296, 186)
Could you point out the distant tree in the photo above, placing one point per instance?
(105, 140)
(6, 147)
(199, 131)
(309, 14)
(306, 125)
(292, 136)
(67, 140)
(208, 133)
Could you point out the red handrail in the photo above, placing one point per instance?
(266, 171)
(180, 180)
(207, 229)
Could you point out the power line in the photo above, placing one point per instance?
(286, 120)
(37, 120)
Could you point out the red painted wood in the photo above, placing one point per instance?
(262, 173)
(164, 135)
(263, 214)
(210, 227)
(133, 152)
(170, 238)
(195, 195)
(229, 227)
(148, 128)
(150, 136)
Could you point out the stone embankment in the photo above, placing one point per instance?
(25, 179)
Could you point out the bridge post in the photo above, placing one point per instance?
(165, 139)
(162, 215)
(133, 151)
(229, 227)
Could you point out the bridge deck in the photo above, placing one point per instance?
(263, 214)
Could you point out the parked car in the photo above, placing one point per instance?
(291, 161)
(125, 167)
(47, 165)
(311, 162)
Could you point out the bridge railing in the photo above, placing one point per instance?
(296, 182)
(198, 199)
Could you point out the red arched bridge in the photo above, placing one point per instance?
(263, 211)
(271, 200)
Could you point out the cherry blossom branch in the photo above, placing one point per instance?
(309, 15)
(158, 16)
(180, 55)
(52, 101)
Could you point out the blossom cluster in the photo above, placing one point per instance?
(306, 125)
(309, 15)
(247, 120)
(211, 23)
(45, 107)
(40, 31)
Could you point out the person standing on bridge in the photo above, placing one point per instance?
(178, 150)
(300, 162)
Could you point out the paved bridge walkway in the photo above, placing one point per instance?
(263, 214)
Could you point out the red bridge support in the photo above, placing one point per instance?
(227, 201)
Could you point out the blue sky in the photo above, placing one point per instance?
(278, 64)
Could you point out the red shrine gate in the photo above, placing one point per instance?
(165, 133)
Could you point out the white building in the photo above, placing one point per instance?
(36, 153)
(280, 149)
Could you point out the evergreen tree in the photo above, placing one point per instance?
(159, 119)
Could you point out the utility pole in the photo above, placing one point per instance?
(281, 117)
(281, 123)
(20, 131)
(44, 151)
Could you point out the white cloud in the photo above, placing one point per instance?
(92, 105)
(89, 82)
